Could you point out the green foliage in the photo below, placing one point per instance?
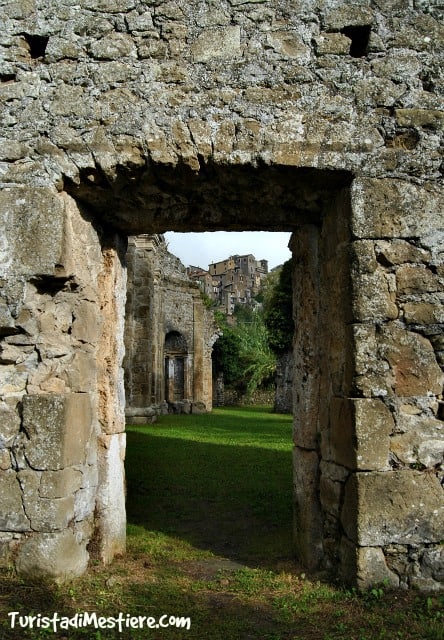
(257, 360)
(278, 309)
(207, 301)
(243, 352)
(246, 352)
(226, 356)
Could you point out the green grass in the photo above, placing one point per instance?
(222, 482)
(209, 537)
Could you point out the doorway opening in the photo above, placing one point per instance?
(176, 370)
(314, 205)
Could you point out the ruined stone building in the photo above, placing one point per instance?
(323, 118)
(169, 334)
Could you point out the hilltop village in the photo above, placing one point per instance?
(235, 280)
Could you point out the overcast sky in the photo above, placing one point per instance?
(201, 249)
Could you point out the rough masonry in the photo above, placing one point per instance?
(320, 117)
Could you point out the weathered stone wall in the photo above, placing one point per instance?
(162, 299)
(62, 441)
(320, 117)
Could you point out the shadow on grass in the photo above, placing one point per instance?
(231, 500)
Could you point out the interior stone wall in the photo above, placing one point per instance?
(319, 117)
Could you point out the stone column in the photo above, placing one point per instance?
(322, 377)
(110, 523)
(307, 513)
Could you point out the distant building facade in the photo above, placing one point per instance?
(169, 335)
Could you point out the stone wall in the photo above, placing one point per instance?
(319, 117)
(162, 300)
(62, 442)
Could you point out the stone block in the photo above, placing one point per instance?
(62, 49)
(12, 514)
(84, 503)
(420, 118)
(201, 134)
(9, 421)
(6, 547)
(308, 530)
(365, 567)
(87, 323)
(398, 507)
(421, 441)
(347, 15)
(113, 46)
(32, 222)
(5, 460)
(7, 322)
(45, 514)
(58, 428)
(289, 45)
(140, 22)
(13, 380)
(370, 370)
(413, 279)
(108, 6)
(373, 297)
(395, 252)
(330, 494)
(198, 408)
(222, 43)
(333, 471)
(360, 430)
(424, 313)
(432, 563)
(81, 373)
(414, 370)
(395, 208)
(332, 43)
(59, 484)
(399, 66)
(61, 556)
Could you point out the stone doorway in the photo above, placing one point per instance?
(315, 206)
(74, 394)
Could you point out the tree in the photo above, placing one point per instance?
(243, 353)
(257, 359)
(278, 310)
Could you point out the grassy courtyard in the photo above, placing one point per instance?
(209, 540)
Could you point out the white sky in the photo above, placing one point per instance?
(201, 249)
